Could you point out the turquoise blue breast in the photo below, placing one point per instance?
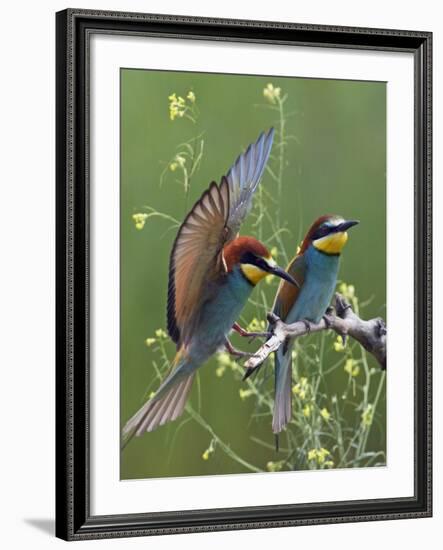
(220, 314)
(318, 287)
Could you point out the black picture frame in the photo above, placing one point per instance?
(74, 28)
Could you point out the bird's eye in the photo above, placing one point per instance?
(259, 262)
(322, 231)
(248, 258)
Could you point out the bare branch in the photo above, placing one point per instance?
(344, 321)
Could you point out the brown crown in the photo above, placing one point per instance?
(234, 250)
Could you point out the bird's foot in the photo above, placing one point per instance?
(251, 335)
(307, 324)
(326, 318)
(328, 324)
(236, 352)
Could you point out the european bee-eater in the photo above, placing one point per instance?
(212, 272)
(315, 268)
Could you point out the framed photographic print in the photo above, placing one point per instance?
(243, 274)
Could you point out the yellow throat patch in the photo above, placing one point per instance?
(331, 244)
(253, 273)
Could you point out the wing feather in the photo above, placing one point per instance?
(243, 178)
(196, 257)
(287, 294)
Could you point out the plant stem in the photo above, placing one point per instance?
(232, 454)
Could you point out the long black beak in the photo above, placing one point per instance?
(279, 272)
(346, 225)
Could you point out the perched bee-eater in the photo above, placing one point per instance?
(212, 272)
(315, 268)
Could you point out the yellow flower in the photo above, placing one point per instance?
(351, 368)
(220, 371)
(271, 94)
(325, 414)
(181, 161)
(223, 359)
(191, 96)
(139, 220)
(150, 341)
(244, 394)
(338, 344)
(205, 455)
(177, 106)
(178, 162)
(256, 326)
(301, 389)
(209, 451)
(320, 456)
(274, 466)
(348, 291)
(307, 410)
(160, 333)
(274, 252)
(367, 416)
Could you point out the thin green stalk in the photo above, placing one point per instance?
(374, 407)
(232, 454)
(281, 153)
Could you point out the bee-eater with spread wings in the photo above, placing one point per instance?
(315, 268)
(212, 272)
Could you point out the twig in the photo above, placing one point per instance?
(370, 334)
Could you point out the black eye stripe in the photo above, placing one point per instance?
(259, 262)
(249, 258)
(322, 232)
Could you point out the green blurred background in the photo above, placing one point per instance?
(336, 164)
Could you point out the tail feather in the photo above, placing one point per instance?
(161, 411)
(180, 404)
(166, 405)
(283, 394)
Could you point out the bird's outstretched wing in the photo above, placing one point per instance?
(243, 179)
(196, 257)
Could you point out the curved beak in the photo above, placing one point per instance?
(344, 226)
(279, 272)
